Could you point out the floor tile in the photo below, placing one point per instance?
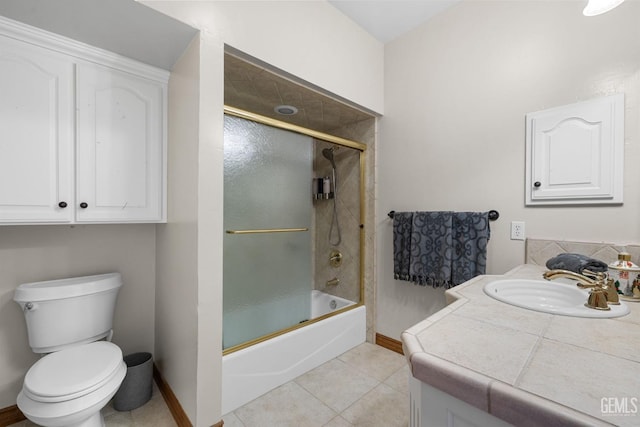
(400, 380)
(231, 420)
(337, 384)
(338, 422)
(383, 406)
(287, 406)
(374, 360)
(118, 419)
(153, 413)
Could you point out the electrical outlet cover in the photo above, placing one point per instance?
(517, 230)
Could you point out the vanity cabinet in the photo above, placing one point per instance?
(430, 407)
(575, 153)
(82, 133)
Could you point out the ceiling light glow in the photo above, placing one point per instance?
(598, 7)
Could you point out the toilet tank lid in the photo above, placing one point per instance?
(67, 288)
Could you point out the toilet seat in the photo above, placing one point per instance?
(72, 373)
(70, 412)
(81, 397)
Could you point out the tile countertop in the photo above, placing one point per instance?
(527, 367)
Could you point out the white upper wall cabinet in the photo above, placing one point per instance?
(82, 132)
(119, 154)
(36, 134)
(575, 153)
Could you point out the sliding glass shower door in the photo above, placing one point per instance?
(267, 220)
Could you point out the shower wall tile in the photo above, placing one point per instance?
(348, 204)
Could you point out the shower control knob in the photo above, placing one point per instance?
(84, 205)
(62, 205)
(537, 184)
(335, 259)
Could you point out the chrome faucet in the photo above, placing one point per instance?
(600, 284)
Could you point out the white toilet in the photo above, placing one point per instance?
(69, 319)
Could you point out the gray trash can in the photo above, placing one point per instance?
(135, 390)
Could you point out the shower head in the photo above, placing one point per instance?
(328, 153)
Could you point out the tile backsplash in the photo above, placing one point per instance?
(538, 251)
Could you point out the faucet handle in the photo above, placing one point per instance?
(597, 299)
(599, 276)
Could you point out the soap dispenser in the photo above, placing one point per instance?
(626, 277)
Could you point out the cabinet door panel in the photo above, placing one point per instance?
(570, 154)
(119, 146)
(575, 153)
(36, 134)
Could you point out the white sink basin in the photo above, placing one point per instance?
(553, 297)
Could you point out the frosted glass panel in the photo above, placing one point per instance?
(267, 276)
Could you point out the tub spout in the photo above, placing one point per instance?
(333, 282)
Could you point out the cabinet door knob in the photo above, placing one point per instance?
(62, 205)
(537, 184)
(83, 205)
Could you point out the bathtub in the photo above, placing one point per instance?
(253, 371)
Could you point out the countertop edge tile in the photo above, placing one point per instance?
(410, 346)
(524, 409)
(462, 383)
(507, 402)
(419, 327)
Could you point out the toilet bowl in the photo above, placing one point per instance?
(70, 387)
(68, 320)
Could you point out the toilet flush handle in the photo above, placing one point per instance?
(29, 306)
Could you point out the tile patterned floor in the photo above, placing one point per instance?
(366, 386)
(154, 413)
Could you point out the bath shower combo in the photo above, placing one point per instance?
(273, 328)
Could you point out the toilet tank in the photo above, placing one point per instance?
(66, 312)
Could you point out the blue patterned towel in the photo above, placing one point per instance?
(402, 226)
(440, 249)
(471, 234)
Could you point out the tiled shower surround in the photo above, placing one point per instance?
(254, 88)
(348, 206)
(538, 251)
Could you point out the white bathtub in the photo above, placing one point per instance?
(253, 371)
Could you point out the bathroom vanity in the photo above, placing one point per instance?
(481, 362)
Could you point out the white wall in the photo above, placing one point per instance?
(452, 138)
(310, 40)
(176, 324)
(33, 253)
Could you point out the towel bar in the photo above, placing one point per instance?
(493, 214)
(269, 230)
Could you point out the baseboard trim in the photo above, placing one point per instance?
(11, 415)
(171, 400)
(389, 343)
